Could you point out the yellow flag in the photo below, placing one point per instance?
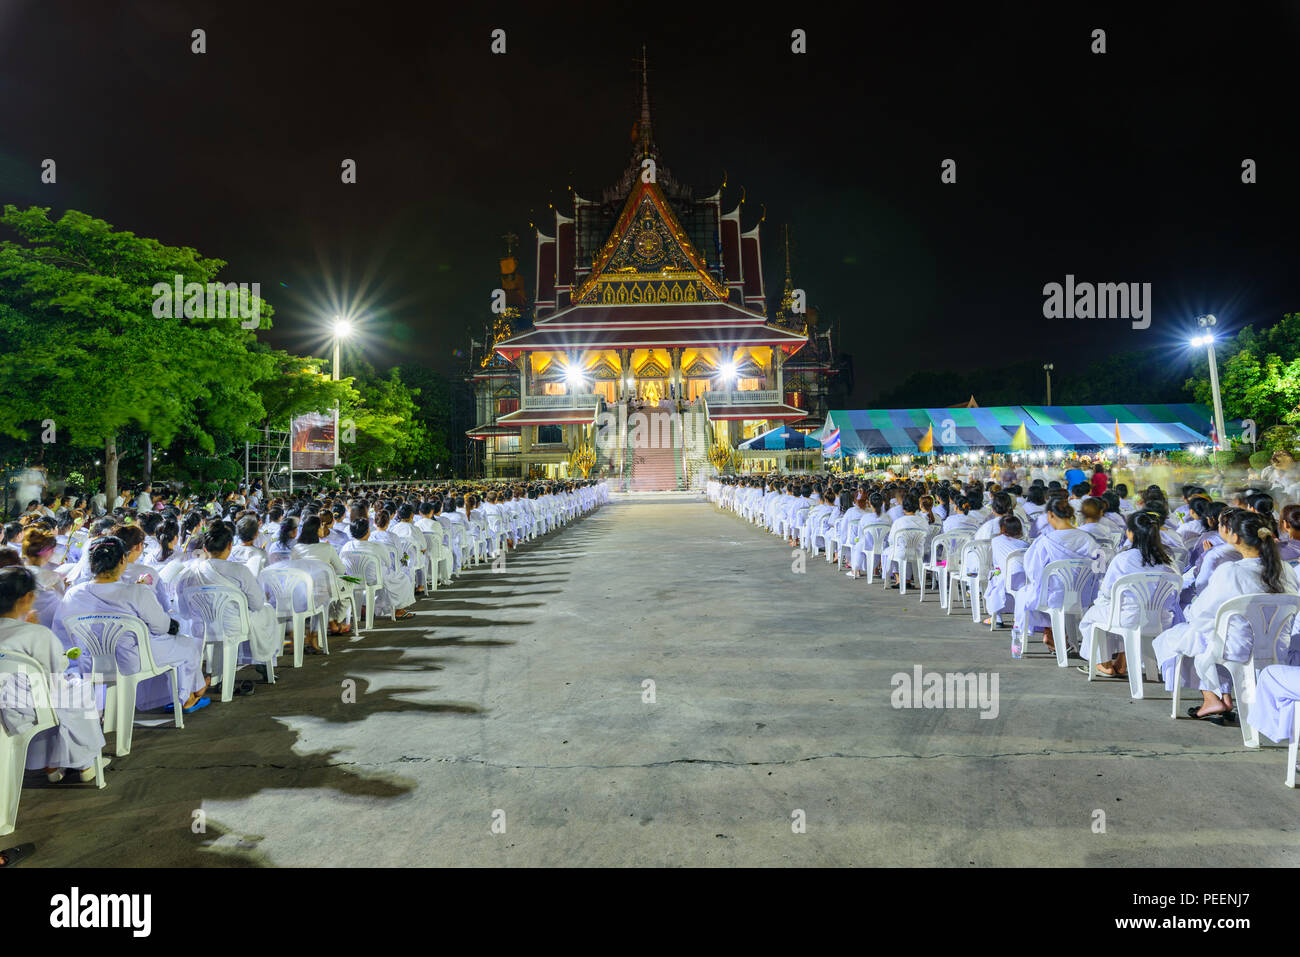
(1118, 440)
(1020, 441)
(927, 440)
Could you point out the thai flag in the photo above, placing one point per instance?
(831, 443)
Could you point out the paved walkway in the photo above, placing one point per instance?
(519, 694)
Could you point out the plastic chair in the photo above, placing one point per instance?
(367, 567)
(947, 544)
(98, 636)
(223, 611)
(907, 548)
(1153, 593)
(979, 552)
(1269, 618)
(1078, 579)
(13, 746)
(878, 532)
(1180, 556)
(1015, 566)
(292, 594)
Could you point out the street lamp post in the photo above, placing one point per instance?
(1048, 367)
(1207, 340)
(342, 329)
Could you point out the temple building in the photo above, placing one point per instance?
(647, 299)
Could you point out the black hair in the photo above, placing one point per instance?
(106, 554)
(1011, 526)
(359, 527)
(910, 503)
(1254, 532)
(168, 531)
(309, 533)
(877, 503)
(246, 528)
(404, 512)
(1147, 540)
(288, 530)
(1061, 508)
(1002, 504)
(218, 537)
(16, 581)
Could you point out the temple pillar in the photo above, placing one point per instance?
(778, 360)
(675, 376)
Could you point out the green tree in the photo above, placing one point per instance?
(80, 343)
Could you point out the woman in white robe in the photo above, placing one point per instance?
(999, 596)
(1146, 554)
(1059, 542)
(861, 537)
(265, 632)
(106, 594)
(327, 589)
(397, 595)
(1260, 569)
(38, 547)
(78, 738)
(1276, 694)
(910, 520)
(400, 578)
(854, 514)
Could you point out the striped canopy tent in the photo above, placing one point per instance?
(781, 439)
(993, 428)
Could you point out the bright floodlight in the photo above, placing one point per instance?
(728, 371)
(573, 375)
(342, 328)
(1198, 450)
(1058, 454)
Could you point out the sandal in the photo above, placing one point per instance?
(1219, 717)
(403, 615)
(12, 855)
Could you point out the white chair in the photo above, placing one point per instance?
(976, 554)
(1180, 556)
(99, 636)
(1015, 566)
(948, 545)
(1269, 618)
(292, 594)
(833, 536)
(1152, 593)
(369, 569)
(907, 550)
(223, 613)
(1077, 578)
(877, 532)
(35, 697)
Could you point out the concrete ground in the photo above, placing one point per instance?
(517, 702)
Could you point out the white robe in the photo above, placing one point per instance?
(1125, 563)
(117, 598)
(78, 739)
(266, 633)
(1055, 544)
(397, 591)
(1192, 638)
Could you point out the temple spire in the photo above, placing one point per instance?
(645, 139)
(785, 312)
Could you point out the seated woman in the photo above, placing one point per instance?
(863, 536)
(38, 550)
(397, 595)
(1288, 539)
(908, 521)
(1091, 511)
(999, 595)
(854, 513)
(1260, 569)
(1147, 551)
(1210, 557)
(1059, 542)
(107, 594)
(77, 739)
(281, 550)
(960, 519)
(310, 546)
(216, 568)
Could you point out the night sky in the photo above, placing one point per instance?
(1122, 167)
